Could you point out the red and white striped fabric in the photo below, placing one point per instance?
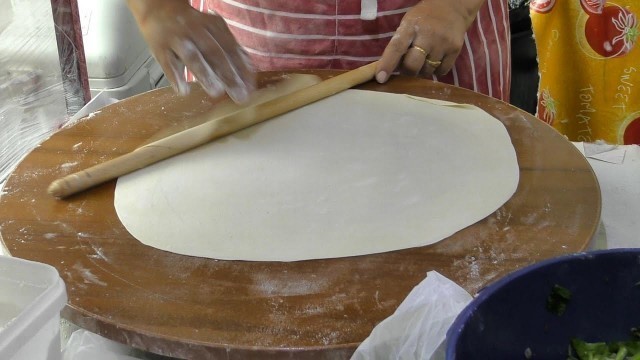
(331, 34)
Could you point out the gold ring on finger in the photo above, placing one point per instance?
(435, 64)
(423, 51)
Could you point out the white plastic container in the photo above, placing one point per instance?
(118, 59)
(31, 298)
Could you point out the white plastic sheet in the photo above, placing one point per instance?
(417, 329)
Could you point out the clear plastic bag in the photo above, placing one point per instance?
(84, 345)
(417, 329)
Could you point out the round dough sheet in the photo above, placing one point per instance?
(357, 173)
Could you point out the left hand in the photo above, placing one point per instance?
(429, 38)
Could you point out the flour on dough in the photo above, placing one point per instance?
(358, 173)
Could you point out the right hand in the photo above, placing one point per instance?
(179, 35)
(429, 38)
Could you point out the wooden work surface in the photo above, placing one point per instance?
(193, 307)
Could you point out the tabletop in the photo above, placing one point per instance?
(184, 306)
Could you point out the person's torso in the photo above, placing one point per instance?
(345, 34)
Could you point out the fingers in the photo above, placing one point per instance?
(419, 58)
(173, 70)
(394, 52)
(216, 60)
(191, 55)
(411, 53)
(427, 41)
(414, 59)
(236, 70)
(432, 63)
(180, 36)
(447, 63)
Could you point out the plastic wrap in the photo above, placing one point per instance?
(85, 345)
(42, 74)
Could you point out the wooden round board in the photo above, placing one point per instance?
(192, 307)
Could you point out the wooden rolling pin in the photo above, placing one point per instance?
(208, 131)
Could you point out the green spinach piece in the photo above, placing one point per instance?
(558, 299)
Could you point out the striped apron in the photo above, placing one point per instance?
(345, 34)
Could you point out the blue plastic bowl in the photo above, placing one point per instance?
(511, 315)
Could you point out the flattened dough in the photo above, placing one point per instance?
(357, 173)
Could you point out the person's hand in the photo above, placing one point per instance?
(180, 36)
(429, 38)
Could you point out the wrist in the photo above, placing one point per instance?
(471, 8)
(142, 9)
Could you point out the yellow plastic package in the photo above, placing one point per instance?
(589, 63)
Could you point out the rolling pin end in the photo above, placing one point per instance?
(57, 189)
(72, 184)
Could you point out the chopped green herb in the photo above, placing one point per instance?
(615, 350)
(558, 299)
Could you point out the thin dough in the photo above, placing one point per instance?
(357, 173)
